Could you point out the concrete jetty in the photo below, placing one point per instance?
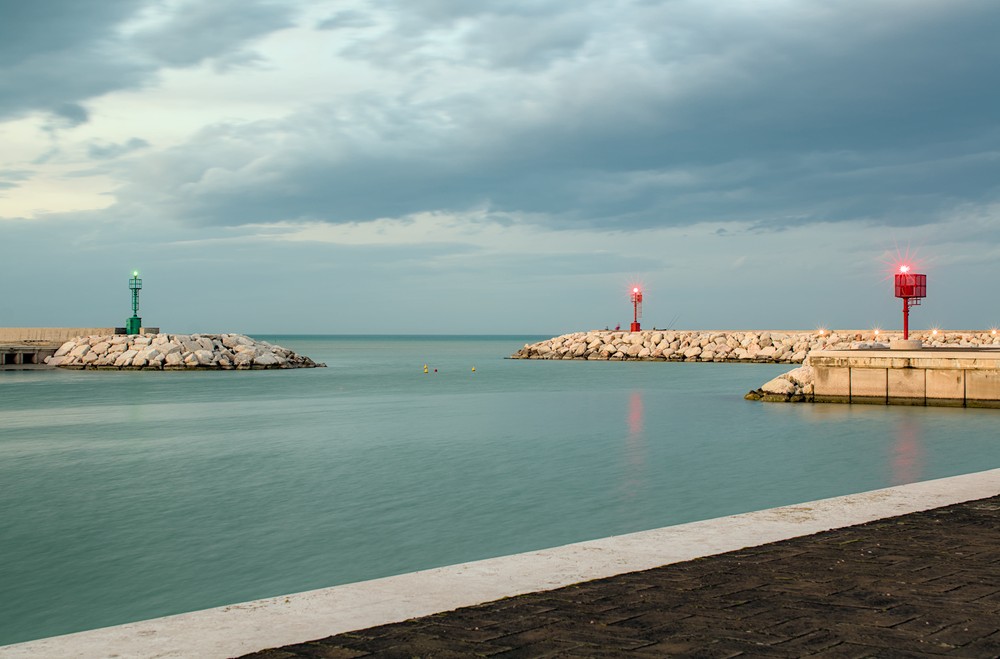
(944, 377)
(955, 377)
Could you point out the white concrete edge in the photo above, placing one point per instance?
(250, 626)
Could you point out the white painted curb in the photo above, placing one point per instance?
(251, 626)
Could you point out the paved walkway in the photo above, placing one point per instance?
(924, 584)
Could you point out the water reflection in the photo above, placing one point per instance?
(635, 420)
(907, 453)
(635, 447)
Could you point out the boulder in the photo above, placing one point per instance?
(125, 357)
(779, 385)
(267, 359)
(205, 357)
(65, 348)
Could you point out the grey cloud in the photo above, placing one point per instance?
(346, 19)
(201, 30)
(526, 35)
(109, 151)
(856, 112)
(71, 114)
(15, 174)
(12, 178)
(55, 55)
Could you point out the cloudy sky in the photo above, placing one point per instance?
(450, 166)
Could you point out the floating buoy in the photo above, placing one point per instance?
(473, 369)
(425, 368)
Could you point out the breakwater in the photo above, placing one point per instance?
(175, 352)
(757, 346)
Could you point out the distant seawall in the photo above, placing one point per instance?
(49, 334)
(754, 346)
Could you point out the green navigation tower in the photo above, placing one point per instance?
(133, 324)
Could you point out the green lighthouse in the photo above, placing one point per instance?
(133, 324)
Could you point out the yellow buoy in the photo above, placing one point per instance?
(425, 368)
(473, 369)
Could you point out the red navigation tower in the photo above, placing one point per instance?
(636, 307)
(911, 287)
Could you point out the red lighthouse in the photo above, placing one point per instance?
(636, 307)
(911, 287)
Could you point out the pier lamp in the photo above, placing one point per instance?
(911, 288)
(133, 324)
(636, 307)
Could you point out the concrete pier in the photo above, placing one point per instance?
(24, 348)
(24, 357)
(952, 377)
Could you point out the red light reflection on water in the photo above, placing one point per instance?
(907, 454)
(634, 476)
(635, 415)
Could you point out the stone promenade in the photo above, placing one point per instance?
(923, 584)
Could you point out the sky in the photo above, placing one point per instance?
(454, 167)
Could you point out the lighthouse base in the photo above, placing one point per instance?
(635, 328)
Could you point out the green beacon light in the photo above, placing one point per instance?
(133, 324)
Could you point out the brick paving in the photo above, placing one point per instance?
(923, 584)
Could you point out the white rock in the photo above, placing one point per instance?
(125, 358)
(779, 385)
(267, 359)
(65, 348)
(800, 375)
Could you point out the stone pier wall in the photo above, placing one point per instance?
(49, 334)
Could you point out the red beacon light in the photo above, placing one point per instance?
(636, 307)
(911, 288)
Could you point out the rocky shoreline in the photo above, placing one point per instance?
(164, 352)
(774, 347)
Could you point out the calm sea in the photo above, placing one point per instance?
(130, 495)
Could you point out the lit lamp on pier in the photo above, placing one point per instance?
(911, 288)
(133, 324)
(636, 307)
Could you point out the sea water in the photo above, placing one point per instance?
(130, 495)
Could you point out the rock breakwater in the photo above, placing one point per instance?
(175, 352)
(727, 345)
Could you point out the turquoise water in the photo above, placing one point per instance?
(130, 495)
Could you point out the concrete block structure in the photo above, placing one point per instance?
(968, 377)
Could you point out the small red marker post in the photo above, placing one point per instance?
(911, 287)
(636, 307)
